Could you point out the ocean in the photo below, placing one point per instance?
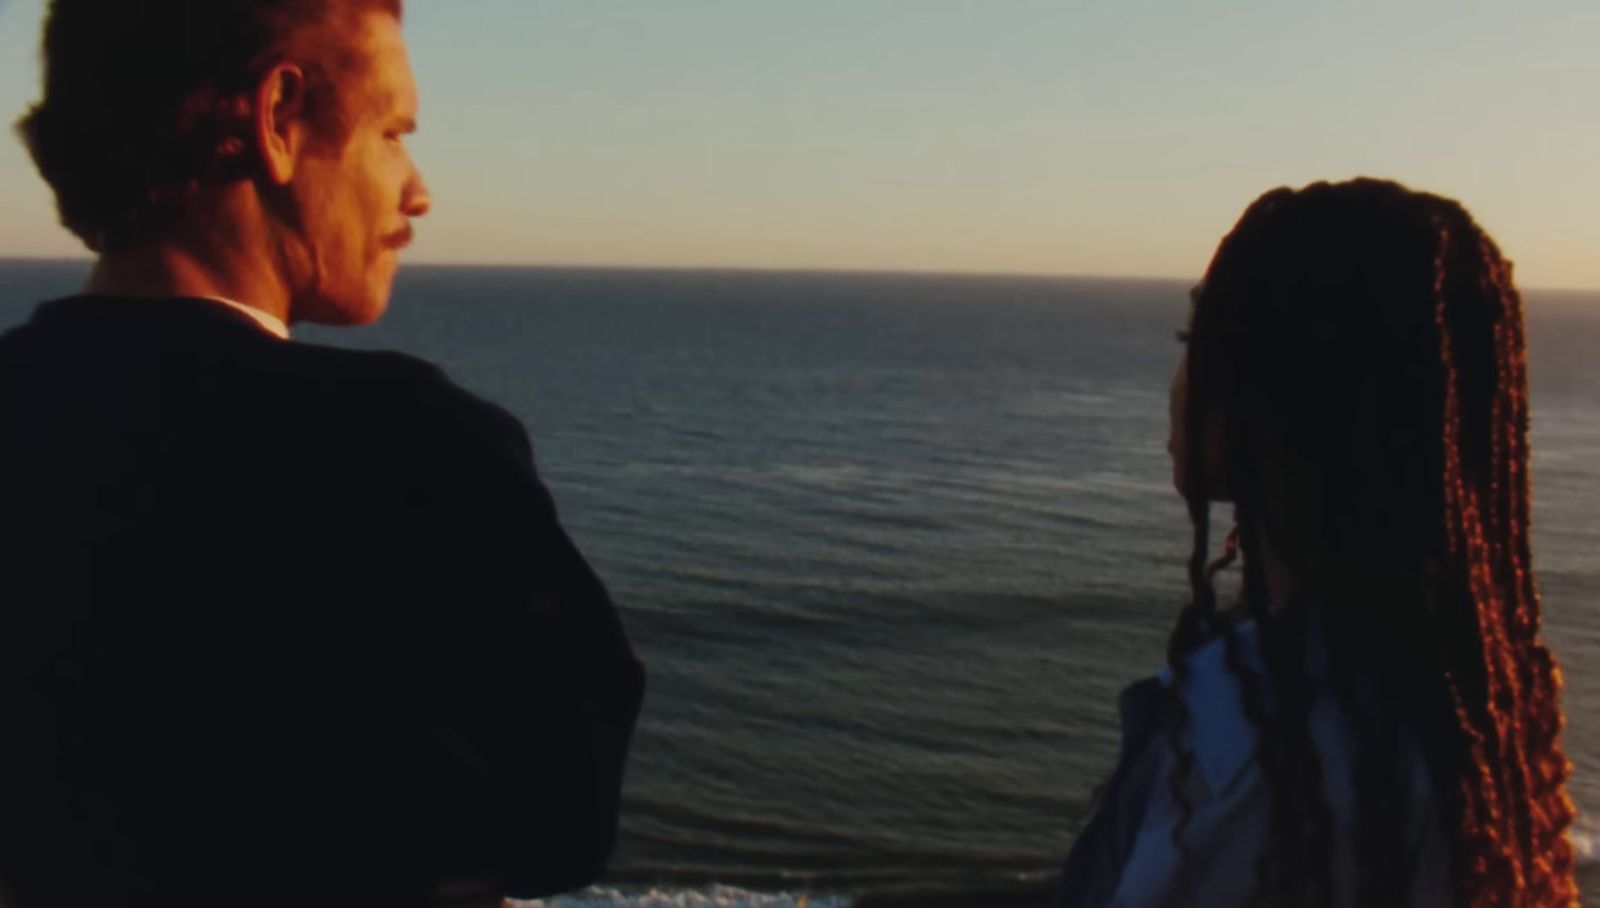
(890, 545)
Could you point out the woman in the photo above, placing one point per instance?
(1375, 721)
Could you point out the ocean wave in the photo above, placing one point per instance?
(707, 897)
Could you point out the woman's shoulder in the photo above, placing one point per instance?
(1190, 759)
(1228, 695)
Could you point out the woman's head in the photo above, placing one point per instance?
(1315, 370)
(1356, 369)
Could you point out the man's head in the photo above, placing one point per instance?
(169, 118)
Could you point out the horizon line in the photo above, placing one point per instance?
(814, 269)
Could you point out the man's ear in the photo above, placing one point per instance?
(281, 129)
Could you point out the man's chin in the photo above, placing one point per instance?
(349, 313)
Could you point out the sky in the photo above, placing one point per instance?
(1103, 137)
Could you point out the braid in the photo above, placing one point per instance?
(1194, 624)
(1274, 763)
(1516, 819)
(1376, 334)
(1382, 877)
(1294, 867)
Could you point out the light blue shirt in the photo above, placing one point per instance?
(1228, 795)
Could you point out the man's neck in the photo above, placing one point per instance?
(166, 269)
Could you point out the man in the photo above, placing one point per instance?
(279, 624)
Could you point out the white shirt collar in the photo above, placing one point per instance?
(271, 323)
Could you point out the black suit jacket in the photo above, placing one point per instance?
(283, 624)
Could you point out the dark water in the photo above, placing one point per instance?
(890, 545)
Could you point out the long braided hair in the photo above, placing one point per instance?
(1357, 355)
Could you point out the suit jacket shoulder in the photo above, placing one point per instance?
(304, 615)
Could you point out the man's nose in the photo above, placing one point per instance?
(416, 201)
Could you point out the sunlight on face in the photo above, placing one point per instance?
(1178, 441)
(1177, 430)
(1178, 404)
(356, 200)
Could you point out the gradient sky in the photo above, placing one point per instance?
(1118, 137)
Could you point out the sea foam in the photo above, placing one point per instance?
(709, 897)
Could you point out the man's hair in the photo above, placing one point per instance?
(1358, 348)
(146, 100)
